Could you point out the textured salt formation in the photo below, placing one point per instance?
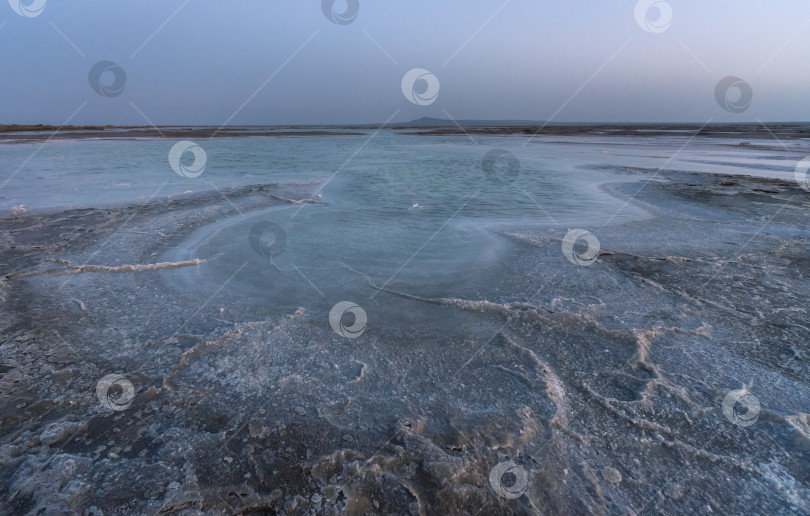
(77, 269)
(603, 383)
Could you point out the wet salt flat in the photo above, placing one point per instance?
(618, 327)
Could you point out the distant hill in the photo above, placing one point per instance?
(439, 122)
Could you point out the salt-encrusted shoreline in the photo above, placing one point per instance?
(605, 384)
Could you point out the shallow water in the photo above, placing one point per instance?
(388, 171)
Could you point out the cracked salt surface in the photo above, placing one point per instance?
(604, 384)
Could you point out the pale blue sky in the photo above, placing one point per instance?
(526, 63)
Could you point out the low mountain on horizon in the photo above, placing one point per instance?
(439, 122)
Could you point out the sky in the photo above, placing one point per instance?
(211, 62)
